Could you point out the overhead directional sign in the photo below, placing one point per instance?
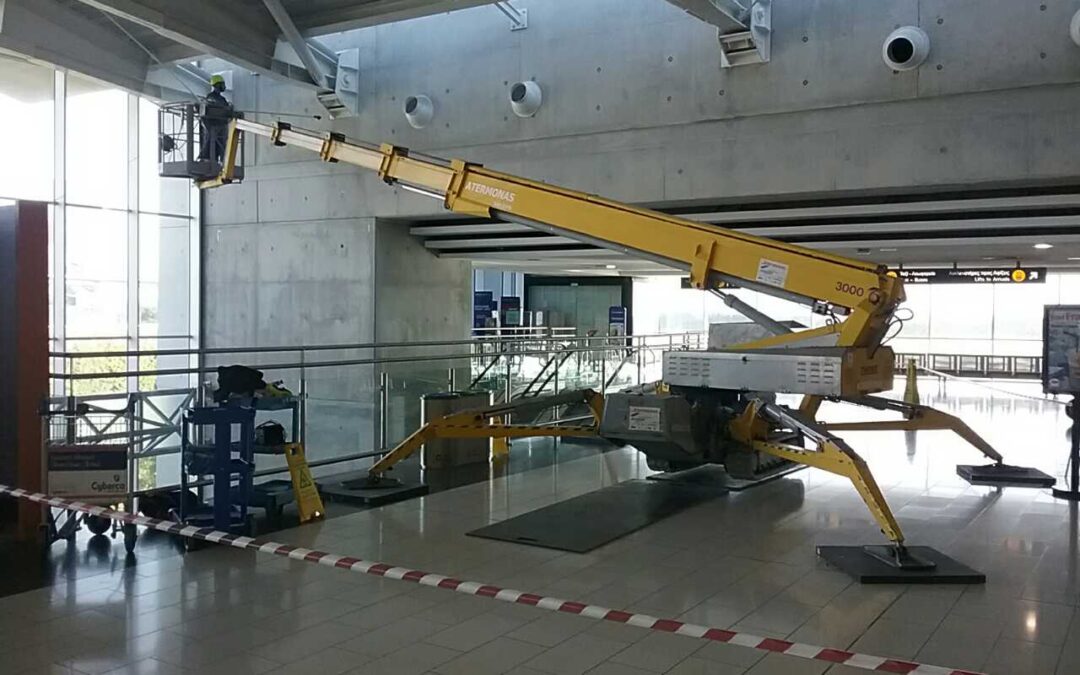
(971, 275)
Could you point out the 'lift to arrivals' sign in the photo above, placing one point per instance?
(972, 275)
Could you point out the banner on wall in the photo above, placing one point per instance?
(483, 306)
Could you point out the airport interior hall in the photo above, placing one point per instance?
(539, 337)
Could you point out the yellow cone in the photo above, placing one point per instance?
(911, 389)
(308, 501)
(500, 447)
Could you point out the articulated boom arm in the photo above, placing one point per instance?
(713, 256)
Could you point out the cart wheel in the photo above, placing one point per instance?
(131, 535)
(97, 524)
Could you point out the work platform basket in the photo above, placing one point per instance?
(181, 153)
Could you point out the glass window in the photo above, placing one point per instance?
(918, 305)
(157, 194)
(1069, 288)
(26, 130)
(96, 273)
(164, 276)
(1018, 309)
(662, 306)
(961, 311)
(97, 144)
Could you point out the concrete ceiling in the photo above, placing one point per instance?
(992, 229)
(134, 44)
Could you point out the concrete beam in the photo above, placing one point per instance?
(727, 15)
(180, 77)
(332, 16)
(299, 45)
(234, 32)
(51, 32)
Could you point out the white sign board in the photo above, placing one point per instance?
(90, 471)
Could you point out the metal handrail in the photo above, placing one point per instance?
(333, 347)
(195, 370)
(986, 365)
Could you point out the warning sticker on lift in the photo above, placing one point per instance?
(772, 273)
(644, 419)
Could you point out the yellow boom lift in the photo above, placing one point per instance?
(715, 406)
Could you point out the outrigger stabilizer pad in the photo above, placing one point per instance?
(892, 564)
(370, 482)
(370, 490)
(1004, 475)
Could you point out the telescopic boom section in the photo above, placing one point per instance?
(713, 256)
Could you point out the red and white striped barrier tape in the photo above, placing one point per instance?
(805, 651)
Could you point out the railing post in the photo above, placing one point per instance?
(301, 429)
(384, 402)
(451, 379)
(134, 400)
(640, 349)
(603, 372)
(509, 391)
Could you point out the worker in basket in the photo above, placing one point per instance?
(217, 112)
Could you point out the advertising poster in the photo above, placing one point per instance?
(1061, 349)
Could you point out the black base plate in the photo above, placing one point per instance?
(1071, 495)
(352, 490)
(867, 569)
(584, 523)
(1004, 475)
(714, 475)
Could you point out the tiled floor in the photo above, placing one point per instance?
(744, 561)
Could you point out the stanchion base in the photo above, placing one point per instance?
(1071, 495)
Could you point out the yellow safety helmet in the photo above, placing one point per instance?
(216, 80)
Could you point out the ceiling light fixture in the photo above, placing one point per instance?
(1043, 247)
(609, 267)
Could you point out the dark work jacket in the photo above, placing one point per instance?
(218, 109)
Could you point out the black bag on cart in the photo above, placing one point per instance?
(270, 433)
(237, 381)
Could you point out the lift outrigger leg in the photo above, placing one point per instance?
(480, 423)
(832, 454)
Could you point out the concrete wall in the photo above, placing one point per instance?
(418, 297)
(637, 108)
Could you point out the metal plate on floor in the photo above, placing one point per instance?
(1004, 475)
(867, 569)
(584, 523)
(714, 475)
